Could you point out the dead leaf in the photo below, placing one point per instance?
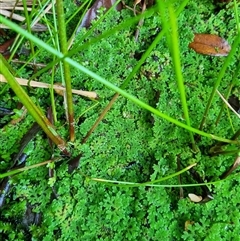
(234, 101)
(194, 198)
(74, 163)
(92, 12)
(210, 44)
(6, 45)
(4, 48)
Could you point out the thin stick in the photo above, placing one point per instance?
(225, 101)
(234, 166)
(89, 94)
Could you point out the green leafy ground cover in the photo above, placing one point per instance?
(130, 144)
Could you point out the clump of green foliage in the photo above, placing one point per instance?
(131, 144)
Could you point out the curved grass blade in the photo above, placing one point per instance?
(66, 67)
(173, 45)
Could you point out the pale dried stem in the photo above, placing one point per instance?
(10, 5)
(89, 94)
(226, 102)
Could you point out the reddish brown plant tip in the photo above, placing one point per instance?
(210, 44)
(6, 45)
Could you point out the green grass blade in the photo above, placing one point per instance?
(19, 170)
(131, 184)
(236, 15)
(66, 67)
(173, 44)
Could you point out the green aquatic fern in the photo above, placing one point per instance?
(131, 144)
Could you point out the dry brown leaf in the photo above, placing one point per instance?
(6, 45)
(194, 198)
(234, 101)
(210, 44)
(92, 12)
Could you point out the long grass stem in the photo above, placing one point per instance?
(66, 67)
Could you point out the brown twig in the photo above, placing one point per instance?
(100, 118)
(232, 168)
